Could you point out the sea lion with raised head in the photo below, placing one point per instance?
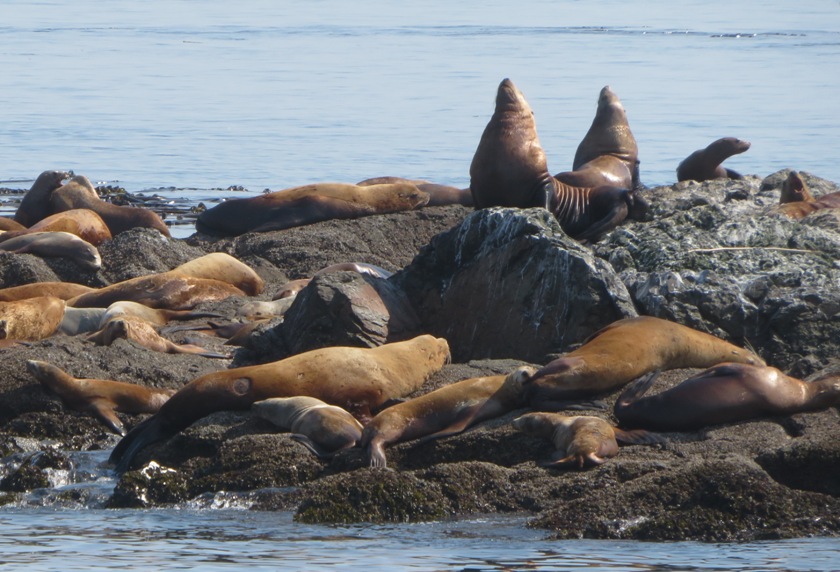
(796, 200)
(63, 290)
(31, 319)
(705, 164)
(83, 223)
(726, 393)
(324, 429)
(35, 204)
(101, 398)
(446, 411)
(357, 379)
(623, 351)
(55, 245)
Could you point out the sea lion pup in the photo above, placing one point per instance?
(726, 393)
(586, 214)
(439, 195)
(101, 398)
(224, 267)
(324, 429)
(138, 330)
(35, 204)
(796, 200)
(63, 290)
(621, 352)
(583, 440)
(705, 164)
(83, 223)
(78, 193)
(31, 319)
(55, 245)
(308, 204)
(10, 225)
(509, 168)
(162, 290)
(357, 379)
(292, 287)
(446, 411)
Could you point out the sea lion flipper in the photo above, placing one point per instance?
(611, 220)
(319, 451)
(149, 431)
(637, 437)
(636, 389)
(460, 423)
(104, 410)
(733, 174)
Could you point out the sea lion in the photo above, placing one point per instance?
(224, 267)
(78, 193)
(101, 398)
(261, 310)
(446, 411)
(796, 200)
(726, 393)
(55, 245)
(83, 223)
(138, 330)
(154, 316)
(324, 429)
(9, 225)
(357, 379)
(581, 440)
(705, 164)
(439, 195)
(586, 214)
(35, 204)
(292, 287)
(80, 320)
(509, 167)
(603, 170)
(63, 290)
(308, 204)
(162, 290)
(621, 352)
(31, 319)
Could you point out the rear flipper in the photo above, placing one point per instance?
(317, 449)
(572, 405)
(150, 431)
(636, 389)
(637, 437)
(581, 461)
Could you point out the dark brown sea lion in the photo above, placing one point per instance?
(705, 164)
(55, 245)
(83, 223)
(141, 332)
(623, 351)
(445, 411)
(439, 195)
(726, 393)
(582, 440)
(796, 200)
(324, 429)
(357, 379)
(603, 170)
(509, 168)
(63, 290)
(78, 193)
(31, 319)
(308, 204)
(224, 267)
(586, 214)
(10, 225)
(35, 204)
(101, 398)
(162, 290)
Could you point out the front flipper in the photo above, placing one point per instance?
(319, 451)
(104, 409)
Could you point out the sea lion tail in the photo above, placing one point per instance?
(150, 431)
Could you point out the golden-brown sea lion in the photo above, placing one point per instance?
(63, 290)
(55, 245)
(796, 200)
(84, 223)
(623, 351)
(308, 204)
(140, 331)
(78, 193)
(586, 214)
(726, 393)
(705, 164)
(101, 398)
(324, 429)
(224, 267)
(439, 195)
(357, 379)
(445, 411)
(31, 319)
(162, 290)
(35, 204)
(154, 316)
(581, 440)
(10, 225)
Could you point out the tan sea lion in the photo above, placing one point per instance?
(9, 225)
(35, 204)
(224, 267)
(291, 288)
(101, 398)
(154, 316)
(162, 290)
(623, 351)
(324, 429)
(308, 204)
(581, 440)
(55, 245)
(357, 379)
(705, 164)
(446, 411)
(79, 193)
(83, 223)
(439, 195)
(261, 310)
(796, 200)
(63, 290)
(31, 319)
(726, 393)
(141, 332)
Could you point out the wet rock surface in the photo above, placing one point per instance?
(506, 288)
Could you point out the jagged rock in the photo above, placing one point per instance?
(152, 485)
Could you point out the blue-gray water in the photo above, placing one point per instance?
(197, 95)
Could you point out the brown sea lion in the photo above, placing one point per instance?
(224, 267)
(582, 440)
(623, 351)
(31, 319)
(726, 393)
(291, 288)
(446, 411)
(9, 225)
(261, 310)
(603, 170)
(357, 379)
(796, 200)
(55, 245)
(100, 397)
(141, 332)
(79, 193)
(439, 195)
(63, 290)
(84, 223)
(154, 316)
(586, 214)
(324, 429)
(509, 168)
(308, 204)
(35, 204)
(162, 290)
(705, 164)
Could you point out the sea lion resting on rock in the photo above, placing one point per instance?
(100, 397)
(63, 290)
(83, 320)
(138, 330)
(580, 440)
(31, 319)
(35, 204)
(55, 244)
(705, 164)
(623, 351)
(83, 223)
(445, 411)
(796, 200)
(586, 214)
(9, 225)
(292, 287)
(224, 267)
(439, 195)
(726, 393)
(324, 429)
(357, 379)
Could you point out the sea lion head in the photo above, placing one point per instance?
(795, 190)
(509, 98)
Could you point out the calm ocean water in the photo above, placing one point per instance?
(188, 98)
